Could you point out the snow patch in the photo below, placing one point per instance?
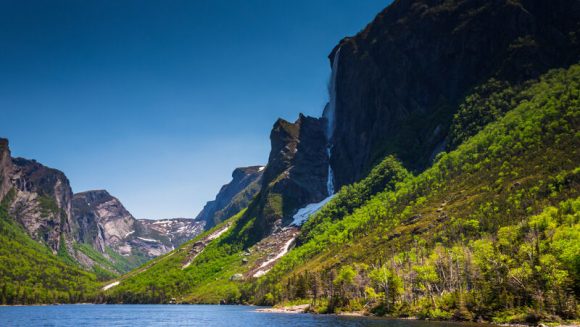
(131, 232)
(303, 214)
(218, 233)
(111, 285)
(261, 168)
(148, 240)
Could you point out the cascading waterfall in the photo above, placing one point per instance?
(304, 213)
(329, 114)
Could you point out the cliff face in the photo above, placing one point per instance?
(104, 222)
(296, 174)
(5, 168)
(232, 197)
(399, 81)
(42, 202)
(102, 219)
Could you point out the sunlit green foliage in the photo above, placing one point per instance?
(30, 273)
(466, 239)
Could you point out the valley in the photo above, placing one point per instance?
(441, 181)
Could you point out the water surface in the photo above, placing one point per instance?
(181, 315)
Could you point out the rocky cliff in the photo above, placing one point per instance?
(5, 167)
(296, 174)
(105, 223)
(399, 81)
(232, 197)
(38, 197)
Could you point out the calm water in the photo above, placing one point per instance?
(180, 315)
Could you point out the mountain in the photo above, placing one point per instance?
(106, 225)
(441, 181)
(400, 80)
(296, 174)
(44, 204)
(176, 230)
(41, 200)
(36, 236)
(232, 197)
(396, 86)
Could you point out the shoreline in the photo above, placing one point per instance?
(303, 309)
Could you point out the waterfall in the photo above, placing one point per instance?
(329, 114)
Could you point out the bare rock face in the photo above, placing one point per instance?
(232, 197)
(104, 222)
(5, 168)
(296, 173)
(399, 81)
(41, 202)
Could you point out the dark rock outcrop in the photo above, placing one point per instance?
(232, 197)
(399, 81)
(296, 173)
(5, 168)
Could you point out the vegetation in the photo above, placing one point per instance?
(490, 231)
(207, 280)
(31, 274)
(486, 233)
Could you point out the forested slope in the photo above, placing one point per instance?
(491, 231)
(31, 274)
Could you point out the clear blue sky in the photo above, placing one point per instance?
(158, 101)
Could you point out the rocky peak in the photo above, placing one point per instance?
(105, 223)
(296, 173)
(41, 202)
(232, 197)
(103, 220)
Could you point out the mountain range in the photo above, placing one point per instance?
(440, 181)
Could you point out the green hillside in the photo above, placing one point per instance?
(31, 274)
(491, 231)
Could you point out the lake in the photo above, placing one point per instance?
(181, 315)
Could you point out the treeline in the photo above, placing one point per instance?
(528, 272)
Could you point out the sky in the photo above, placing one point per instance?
(158, 101)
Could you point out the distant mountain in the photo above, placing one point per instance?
(176, 230)
(105, 224)
(232, 197)
(91, 228)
